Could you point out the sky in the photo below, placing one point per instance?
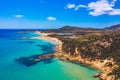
(44, 14)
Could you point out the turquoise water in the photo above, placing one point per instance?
(13, 47)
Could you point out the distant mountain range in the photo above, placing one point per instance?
(81, 29)
(73, 29)
(114, 27)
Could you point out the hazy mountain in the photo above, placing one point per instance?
(75, 28)
(113, 27)
(81, 29)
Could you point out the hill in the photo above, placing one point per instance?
(113, 27)
(71, 29)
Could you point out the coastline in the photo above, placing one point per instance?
(104, 71)
(44, 36)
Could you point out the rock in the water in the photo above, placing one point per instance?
(34, 59)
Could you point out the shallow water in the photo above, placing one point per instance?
(12, 47)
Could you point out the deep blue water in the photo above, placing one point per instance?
(14, 44)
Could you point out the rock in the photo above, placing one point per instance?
(34, 59)
(97, 75)
(27, 61)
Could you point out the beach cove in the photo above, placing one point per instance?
(57, 70)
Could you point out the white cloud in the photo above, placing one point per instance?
(100, 7)
(19, 16)
(80, 6)
(70, 6)
(113, 2)
(115, 12)
(50, 18)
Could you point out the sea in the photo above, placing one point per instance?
(15, 44)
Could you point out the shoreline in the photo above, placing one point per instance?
(97, 64)
(44, 36)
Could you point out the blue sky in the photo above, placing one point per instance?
(43, 14)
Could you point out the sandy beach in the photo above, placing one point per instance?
(44, 36)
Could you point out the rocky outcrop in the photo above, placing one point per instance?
(34, 59)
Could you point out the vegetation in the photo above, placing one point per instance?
(92, 43)
(95, 47)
